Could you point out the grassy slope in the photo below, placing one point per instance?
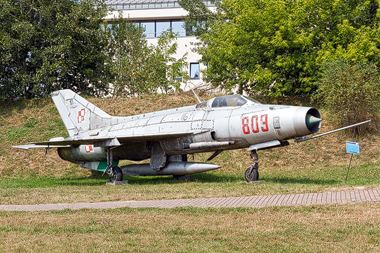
(316, 165)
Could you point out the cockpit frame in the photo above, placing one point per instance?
(227, 101)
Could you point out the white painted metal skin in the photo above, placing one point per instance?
(222, 123)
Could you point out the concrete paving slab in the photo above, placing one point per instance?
(324, 198)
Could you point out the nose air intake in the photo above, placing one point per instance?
(306, 121)
(312, 119)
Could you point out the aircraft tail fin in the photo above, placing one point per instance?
(77, 113)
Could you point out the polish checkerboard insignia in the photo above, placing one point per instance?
(89, 148)
(81, 115)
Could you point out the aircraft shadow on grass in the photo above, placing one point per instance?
(98, 180)
(214, 178)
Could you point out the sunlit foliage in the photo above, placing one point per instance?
(278, 47)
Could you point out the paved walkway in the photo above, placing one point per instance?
(252, 201)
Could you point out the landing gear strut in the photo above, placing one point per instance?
(252, 173)
(114, 173)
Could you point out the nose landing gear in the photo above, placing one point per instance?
(252, 173)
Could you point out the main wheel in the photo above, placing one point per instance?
(116, 175)
(251, 174)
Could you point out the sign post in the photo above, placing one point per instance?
(351, 148)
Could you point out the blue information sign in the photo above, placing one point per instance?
(352, 147)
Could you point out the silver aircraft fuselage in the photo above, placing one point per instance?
(99, 141)
(211, 129)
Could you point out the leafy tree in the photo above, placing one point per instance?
(277, 47)
(351, 92)
(50, 45)
(200, 18)
(169, 71)
(139, 68)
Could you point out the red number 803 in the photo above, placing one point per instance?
(254, 127)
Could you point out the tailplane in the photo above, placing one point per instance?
(77, 113)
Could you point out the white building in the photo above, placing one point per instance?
(157, 16)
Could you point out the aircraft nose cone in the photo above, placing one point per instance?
(312, 120)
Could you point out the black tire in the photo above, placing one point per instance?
(117, 174)
(251, 175)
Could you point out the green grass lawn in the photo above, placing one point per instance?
(332, 228)
(220, 183)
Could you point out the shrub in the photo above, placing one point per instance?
(351, 93)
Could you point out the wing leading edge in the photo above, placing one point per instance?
(109, 141)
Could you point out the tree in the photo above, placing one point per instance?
(168, 73)
(278, 47)
(139, 68)
(50, 45)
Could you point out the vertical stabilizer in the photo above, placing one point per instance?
(77, 113)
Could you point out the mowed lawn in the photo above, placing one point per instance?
(332, 228)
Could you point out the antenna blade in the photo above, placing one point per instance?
(196, 96)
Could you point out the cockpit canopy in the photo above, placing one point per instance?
(227, 101)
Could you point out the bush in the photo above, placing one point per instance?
(351, 93)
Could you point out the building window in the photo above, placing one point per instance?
(194, 71)
(162, 26)
(149, 29)
(151, 5)
(154, 29)
(178, 28)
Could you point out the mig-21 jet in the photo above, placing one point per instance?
(98, 141)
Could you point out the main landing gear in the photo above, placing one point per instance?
(114, 173)
(252, 173)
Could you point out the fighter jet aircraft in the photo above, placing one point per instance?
(98, 141)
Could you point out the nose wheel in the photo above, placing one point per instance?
(252, 173)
